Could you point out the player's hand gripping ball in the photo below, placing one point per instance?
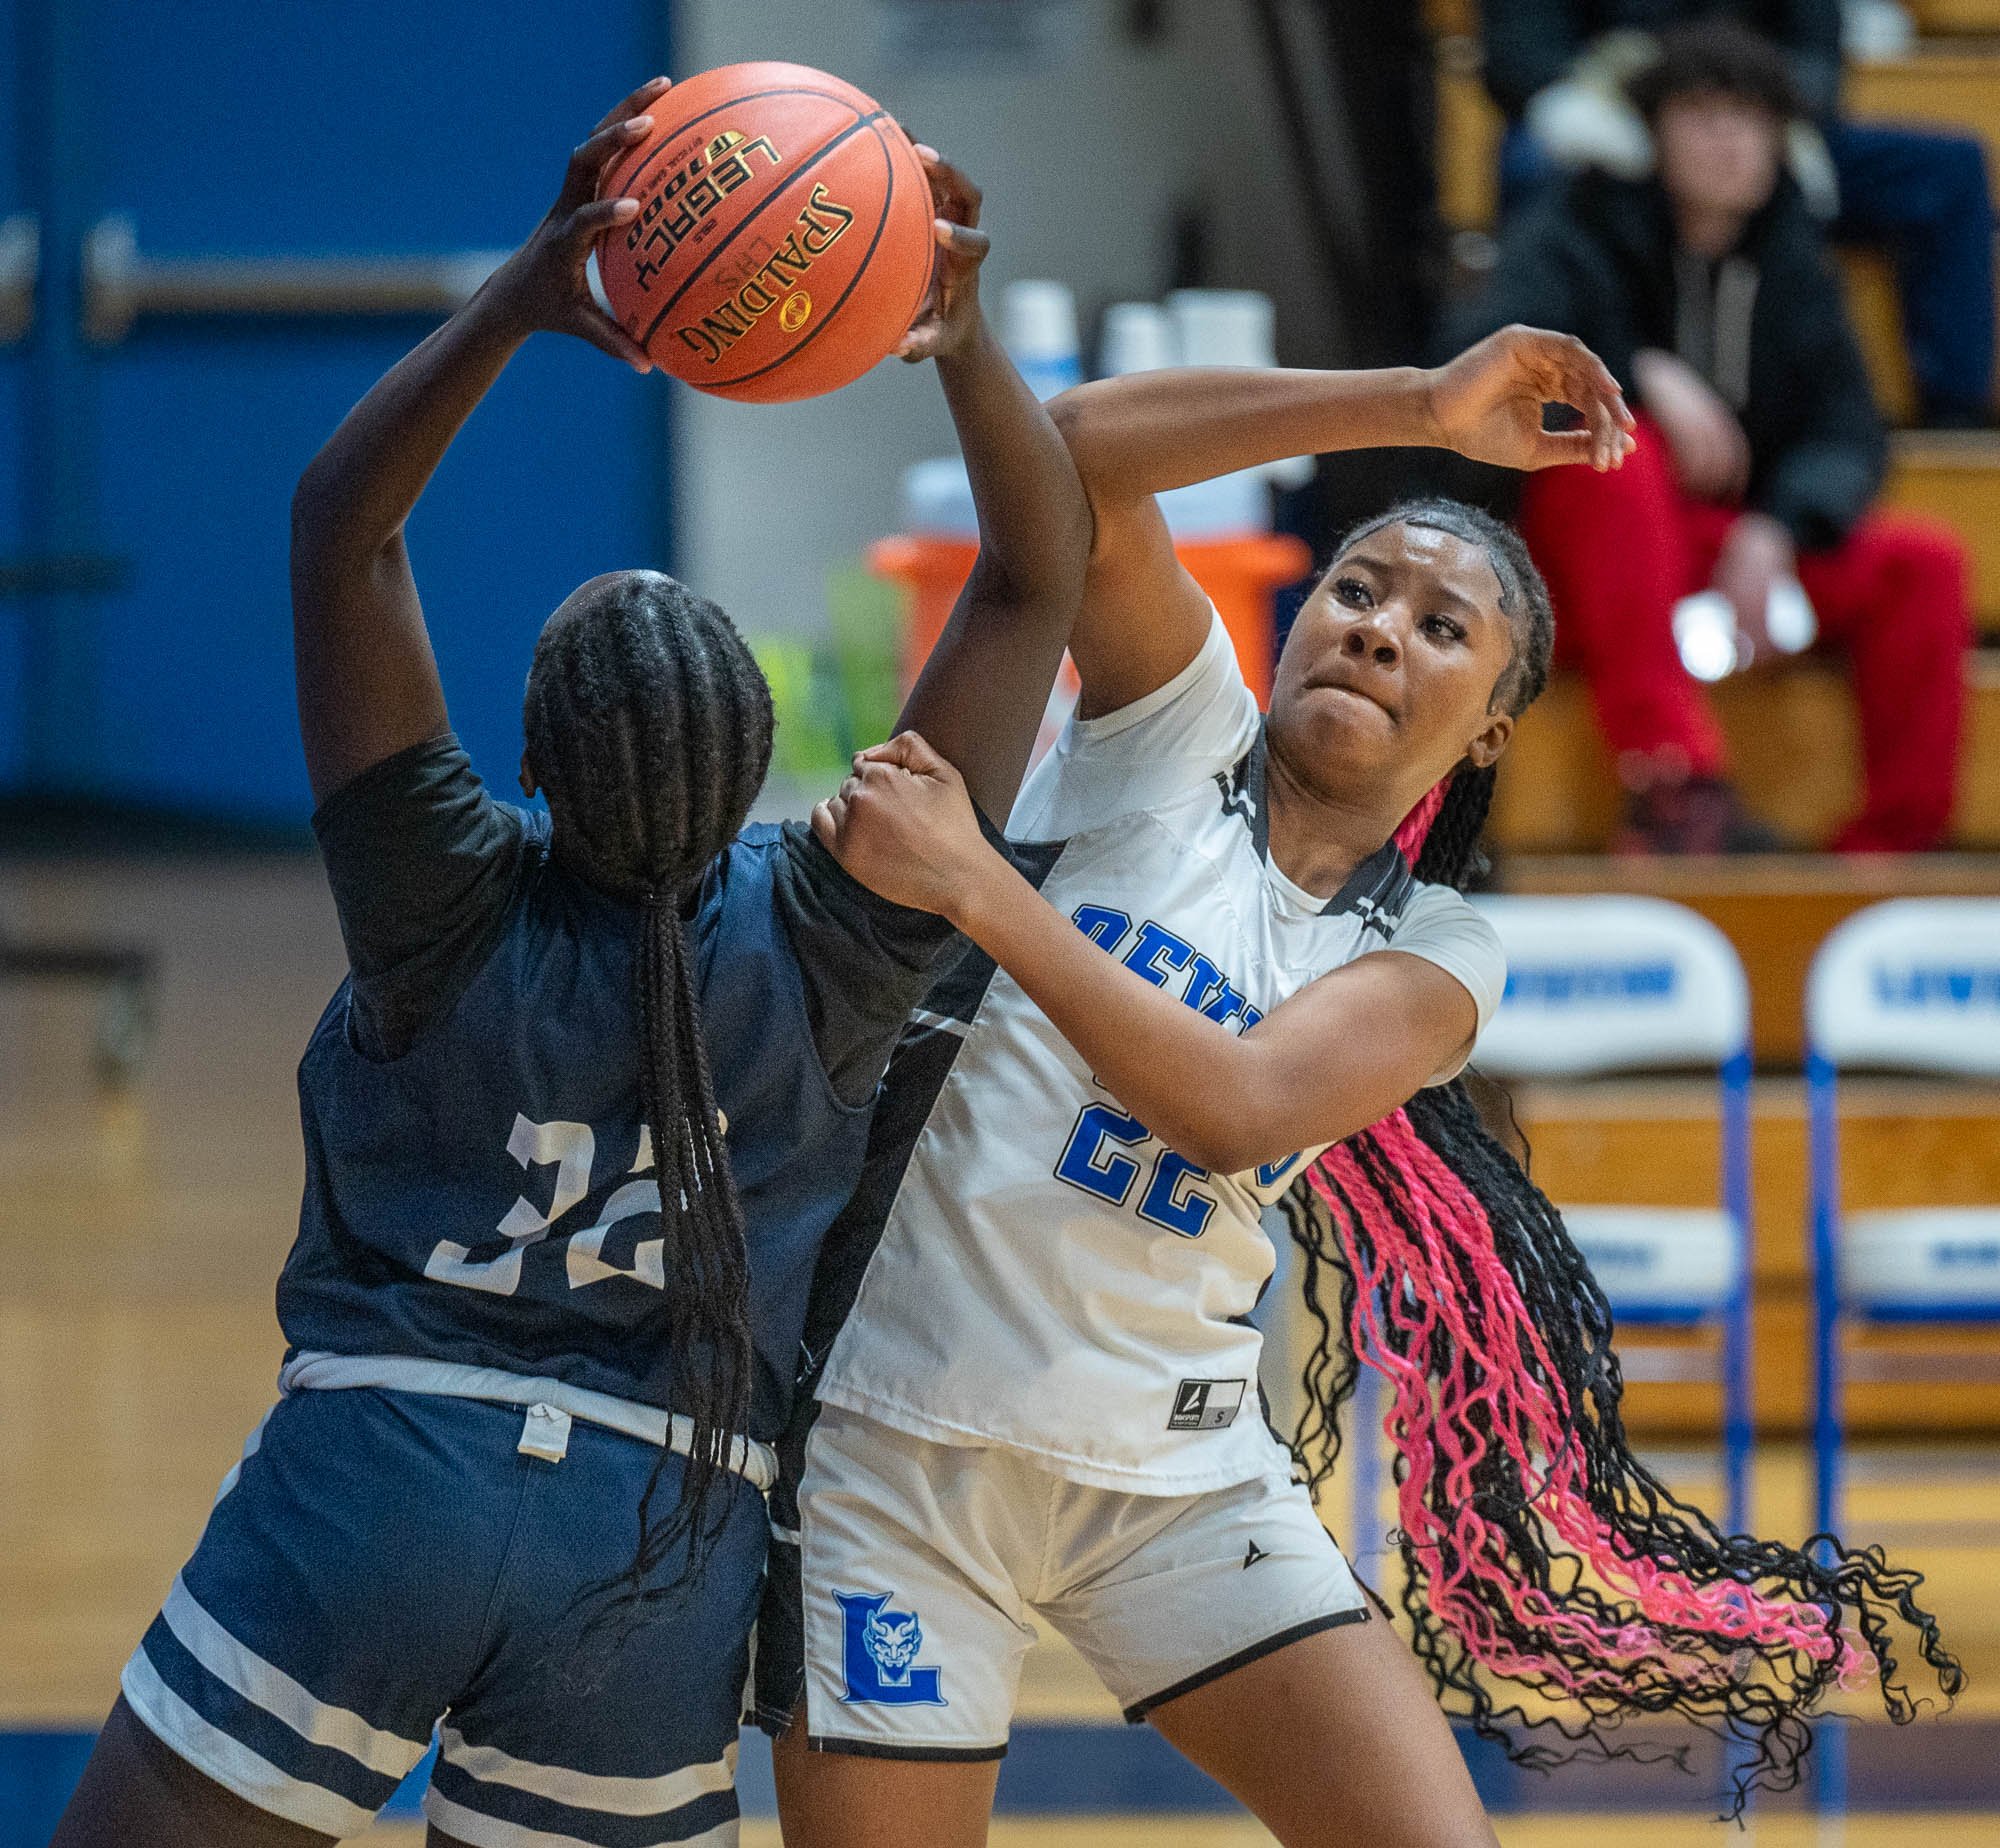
(783, 243)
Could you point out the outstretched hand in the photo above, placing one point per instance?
(1487, 403)
(948, 320)
(543, 286)
(904, 826)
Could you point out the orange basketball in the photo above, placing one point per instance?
(783, 243)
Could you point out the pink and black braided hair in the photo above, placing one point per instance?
(1541, 1556)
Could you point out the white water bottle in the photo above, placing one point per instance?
(1235, 327)
(1038, 328)
(1138, 337)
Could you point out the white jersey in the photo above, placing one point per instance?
(1040, 1271)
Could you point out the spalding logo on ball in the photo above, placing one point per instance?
(783, 244)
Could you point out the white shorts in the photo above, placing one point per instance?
(922, 1562)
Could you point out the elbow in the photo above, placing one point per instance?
(1226, 1148)
(1075, 547)
(1069, 412)
(1076, 416)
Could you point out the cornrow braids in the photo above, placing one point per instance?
(1541, 1556)
(649, 728)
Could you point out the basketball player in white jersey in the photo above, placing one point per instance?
(1043, 1401)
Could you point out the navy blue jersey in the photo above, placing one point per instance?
(479, 1182)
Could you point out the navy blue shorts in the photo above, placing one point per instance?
(387, 1563)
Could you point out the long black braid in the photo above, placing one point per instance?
(649, 728)
(1545, 1554)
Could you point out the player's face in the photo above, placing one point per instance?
(1390, 677)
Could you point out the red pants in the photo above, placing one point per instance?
(1620, 550)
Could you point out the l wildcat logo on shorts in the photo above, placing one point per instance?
(878, 1653)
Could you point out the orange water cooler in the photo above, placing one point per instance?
(1240, 572)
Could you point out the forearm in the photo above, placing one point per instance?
(1819, 490)
(985, 685)
(356, 494)
(1034, 522)
(1152, 431)
(1142, 1044)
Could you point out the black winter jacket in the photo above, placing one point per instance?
(1768, 327)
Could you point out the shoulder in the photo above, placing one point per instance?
(1146, 752)
(1429, 909)
(833, 920)
(1213, 673)
(1444, 927)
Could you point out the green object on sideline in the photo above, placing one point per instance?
(866, 616)
(810, 745)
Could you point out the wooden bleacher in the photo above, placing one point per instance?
(1954, 476)
(1949, 18)
(1791, 731)
(1794, 753)
(1905, 1143)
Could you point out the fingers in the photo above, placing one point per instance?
(649, 91)
(824, 826)
(921, 341)
(589, 159)
(957, 197)
(589, 222)
(1555, 448)
(906, 751)
(834, 809)
(1583, 381)
(1606, 439)
(966, 246)
(961, 251)
(593, 324)
(918, 755)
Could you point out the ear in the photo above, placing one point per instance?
(1485, 749)
(528, 783)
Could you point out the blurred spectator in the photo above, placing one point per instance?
(1706, 289)
(1920, 194)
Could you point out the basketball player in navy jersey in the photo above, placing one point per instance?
(508, 1368)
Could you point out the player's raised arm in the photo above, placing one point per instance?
(367, 682)
(982, 693)
(1143, 616)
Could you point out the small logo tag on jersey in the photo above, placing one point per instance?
(1206, 1405)
(878, 1654)
(1252, 1554)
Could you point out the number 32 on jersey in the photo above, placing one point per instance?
(571, 1149)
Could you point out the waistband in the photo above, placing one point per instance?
(756, 1463)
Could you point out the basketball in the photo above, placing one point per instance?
(783, 243)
